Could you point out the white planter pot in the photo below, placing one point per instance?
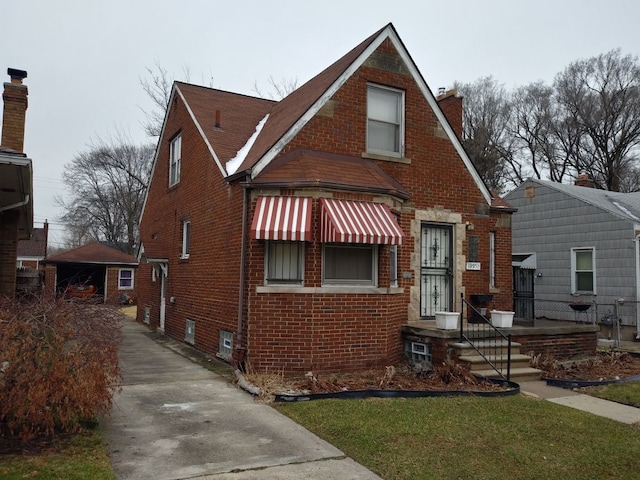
(502, 319)
(447, 320)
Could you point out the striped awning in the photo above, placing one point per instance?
(282, 218)
(344, 221)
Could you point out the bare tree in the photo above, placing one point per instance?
(107, 184)
(277, 89)
(158, 86)
(485, 121)
(544, 141)
(602, 95)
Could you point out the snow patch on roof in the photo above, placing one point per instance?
(625, 210)
(233, 164)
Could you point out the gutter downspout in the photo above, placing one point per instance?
(15, 205)
(241, 351)
(637, 250)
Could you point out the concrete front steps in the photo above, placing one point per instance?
(496, 352)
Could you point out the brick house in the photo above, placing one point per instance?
(16, 180)
(303, 234)
(94, 270)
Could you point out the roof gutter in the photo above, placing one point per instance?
(16, 205)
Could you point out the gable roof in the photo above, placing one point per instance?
(94, 253)
(623, 205)
(238, 116)
(36, 246)
(289, 115)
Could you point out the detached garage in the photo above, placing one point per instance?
(94, 271)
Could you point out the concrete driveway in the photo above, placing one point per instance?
(177, 420)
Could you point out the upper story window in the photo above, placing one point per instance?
(186, 238)
(583, 270)
(385, 120)
(175, 156)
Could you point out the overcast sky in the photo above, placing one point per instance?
(85, 59)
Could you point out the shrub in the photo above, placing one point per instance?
(58, 366)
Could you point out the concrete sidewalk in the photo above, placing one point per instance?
(177, 420)
(580, 401)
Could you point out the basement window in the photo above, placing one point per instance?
(190, 332)
(418, 353)
(225, 345)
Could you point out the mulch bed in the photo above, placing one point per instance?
(448, 376)
(603, 367)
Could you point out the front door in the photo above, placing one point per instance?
(436, 275)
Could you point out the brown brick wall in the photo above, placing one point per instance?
(8, 252)
(15, 106)
(113, 293)
(560, 346)
(321, 331)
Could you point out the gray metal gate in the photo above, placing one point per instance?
(523, 304)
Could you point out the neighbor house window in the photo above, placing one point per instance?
(583, 270)
(186, 238)
(125, 279)
(385, 119)
(349, 264)
(492, 260)
(175, 156)
(284, 263)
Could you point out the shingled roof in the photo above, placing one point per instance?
(96, 253)
(36, 246)
(240, 115)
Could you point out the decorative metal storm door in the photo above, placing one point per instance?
(436, 283)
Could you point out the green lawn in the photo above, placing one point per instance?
(80, 457)
(473, 438)
(627, 393)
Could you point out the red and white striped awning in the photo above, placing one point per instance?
(344, 221)
(282, 218)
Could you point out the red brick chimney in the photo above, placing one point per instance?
(585, 181)
(15, 110)
(451, 105)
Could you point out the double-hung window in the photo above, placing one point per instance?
(349, 264)
(284, 263)
(186, 238)
(385, 120)
(125, 279)
(175, 156)
(583, 270)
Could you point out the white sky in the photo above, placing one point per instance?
(85, 58)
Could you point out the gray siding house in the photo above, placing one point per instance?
(576, 245)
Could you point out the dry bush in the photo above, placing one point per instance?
(451, 372)
(58, 366)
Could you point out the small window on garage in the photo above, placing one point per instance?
(125, 279)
